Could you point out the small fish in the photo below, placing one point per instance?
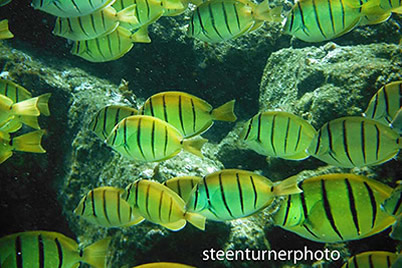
(221, 20)
(279, 134)
(321, 20)
(106, 48)
(49, 249)
(14, 91)
(183, 185)
(109, 116)
(372, 259)
(385, 104)
(233, 193)
(163, 265)
(104, 206)
(30, 142)
(94, 25)
(70, 8)
(189, 114)
(355, 142)
(335, 208)
(4, 31)
(4, 2)
(149, 139)
(23, 111)
(159, 204)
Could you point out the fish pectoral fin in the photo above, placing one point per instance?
(175, 226)
(137, 220)
(299, 156)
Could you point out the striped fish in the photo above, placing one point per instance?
(105, 48)
(385, 104)
(355, 142)
(372, 259)
(221, 20)
(36, 249)
(159, 204)
(163, 265)
(278, 134)
(391, 5)
(4, 31)
(321, 20)
(149, 139)
(189, 114)
(14, 91)
(335, 208)
(392, 206)
(94, 25)
(107, 117)
(70, 8)
(183, 185)
(104, 206)
(233, 193)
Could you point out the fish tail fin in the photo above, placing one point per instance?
(396, 123)
(225, 112)
(287, 186)
(128, 15)
(196, 219)
(29, 142)
(141, 35)
(194, 145)
(43, 104)
(27, 107)
(95, 254)
(5, 155)
(4, 31)
(265, 13)
(31, 121)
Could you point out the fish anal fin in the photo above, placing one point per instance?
(175, 226)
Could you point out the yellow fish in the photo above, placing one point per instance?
(183, 185)
(187, 113)
(29, 142)
(355, 142)
(279, 134)
(233, 193)
(221, 20)
(386, 103)
(163, 265)
(109, 116)
(149, 139)
(104, 206)
(49, 249)
(335, 208)
(159, 204)
(372, 259)
(70, 8)
(14, 91)
(94, 25)
(4, 31)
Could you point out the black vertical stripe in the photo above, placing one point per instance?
(352, 205)
(317, 20)
(126, 145)
(201, 23)
(119, 207)
(327, 208)
(181, 115)
(170, 208)
(105, 134)
(237, 16)
(397, 205)
(194, 114)
(303, 201)
(273, 133)
(103, 20)
(249, 128)
(147, 201)
(93, 203)
(151, 107)
(160, 205)
(6, 91)
(370, 257)
(153, 138)
(355, 262)
(164, 108)
(389, 263)
(343, 14)
(18, 251)
(298, 138)
(331, 16)
(375, 102)
(91, 4)
(82, 26)
(136, 193)
(76, 6)
(105, 207)
(378, 141)
(211, 14)
(196, 193)
(223, 195)
(41, 252)
(386, 101)
(178, 188)
(317, 147)
(207, 191)
(292, 19)
(259, 128)
(310, 231)
(254, 190)
(93, 22)
(148, 9)
(285, 145)
(139, 138)
(84, 205)
(166, 141)
(59, 252)
(345, 141)
(128, 191)
(240, 193)
(302, 18)
(373, 204)
(117, 117)
(225, 15)
(287, 210)
(363, 140)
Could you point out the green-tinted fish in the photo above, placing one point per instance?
(392, 206)
(372, 259)
(14, 91)
(355, 142)
(159, 204)
(391, 5)
(335, 208)
(104, 206)
(220, 20)
(108, 47)
(94, 25)
(183, 185)
(385, 103)
(30, 142)
(189, 114)
(320, 20)
(37, 249)
(70, 8)
(278, 134)
(4, 2)
(4, 31)
(233, 193)
(107, 117)
(149, 139)
(163, 265)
